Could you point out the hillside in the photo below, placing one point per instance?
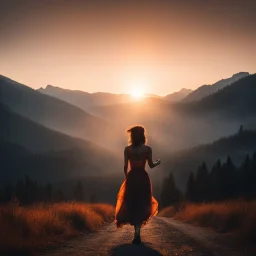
(89, 101)
(35, 137)
(49, 111)
(28, 148)
(175, 126)
(235, 101)
(181, 163)
(85, 100)
(17, 162)
(186, 124)
(206, 90)
(177, 96)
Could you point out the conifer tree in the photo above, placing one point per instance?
(253, 176)
(49, 192)
(78, 192)
(214, 182)
(229, 180)
(191, 188)
(170, 193)
(241, 129)
(202, 186)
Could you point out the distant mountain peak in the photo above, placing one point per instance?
(179, 95)
(49, 111)
(185, 90)
(48, 87)
(241, 74)
(206, 90)
(51, 87)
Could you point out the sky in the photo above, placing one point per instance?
(118, 46)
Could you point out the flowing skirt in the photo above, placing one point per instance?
(135, 203)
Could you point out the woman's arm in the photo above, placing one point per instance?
(125, 161)
(152, 164)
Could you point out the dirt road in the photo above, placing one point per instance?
(162, 236)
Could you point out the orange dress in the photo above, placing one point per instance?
(135, 203)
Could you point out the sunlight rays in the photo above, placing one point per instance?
(137, 93)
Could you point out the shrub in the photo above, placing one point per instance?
(30, 228)
(231, 216)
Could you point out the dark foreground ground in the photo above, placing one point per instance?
(162, 236)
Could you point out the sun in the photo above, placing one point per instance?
(137, 93)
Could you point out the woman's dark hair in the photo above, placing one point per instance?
(137, 136)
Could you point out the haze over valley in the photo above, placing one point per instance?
(58, 134)
(128, 112)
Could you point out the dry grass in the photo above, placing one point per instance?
(233, 216)
(25, 229)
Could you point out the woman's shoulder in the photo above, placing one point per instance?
(130, 148)
(127, 148)
(148, 148)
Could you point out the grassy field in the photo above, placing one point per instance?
(27, 229)
(232, 216)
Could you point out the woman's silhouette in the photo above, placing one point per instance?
(135, 203)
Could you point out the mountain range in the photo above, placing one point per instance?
(85, 100)
(50, 137)
(175, 125)
(50, 112)
(28, 148)
(236, 101)
(88, 101)
(237, 146)
(186, 124)
(207, 90)
(178, 96)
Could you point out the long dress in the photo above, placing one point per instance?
(135, 203)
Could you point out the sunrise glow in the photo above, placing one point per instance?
(137, 93)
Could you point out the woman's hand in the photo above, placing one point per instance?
(157, 162)
(152, 164)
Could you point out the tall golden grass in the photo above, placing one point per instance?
(231, 216)
(26, 229)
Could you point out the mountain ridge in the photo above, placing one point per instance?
(49, 111)
(236, 99)
(179, 95)
(236, 146)
(28, 148)
(206, 90)
(82, 99)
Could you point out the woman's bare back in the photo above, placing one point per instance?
(138, 156)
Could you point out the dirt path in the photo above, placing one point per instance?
(162, 236)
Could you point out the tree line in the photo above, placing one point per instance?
(28, 191)
(222, 182)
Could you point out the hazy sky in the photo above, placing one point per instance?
(114, 46)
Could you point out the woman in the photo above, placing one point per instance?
(135, 203)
